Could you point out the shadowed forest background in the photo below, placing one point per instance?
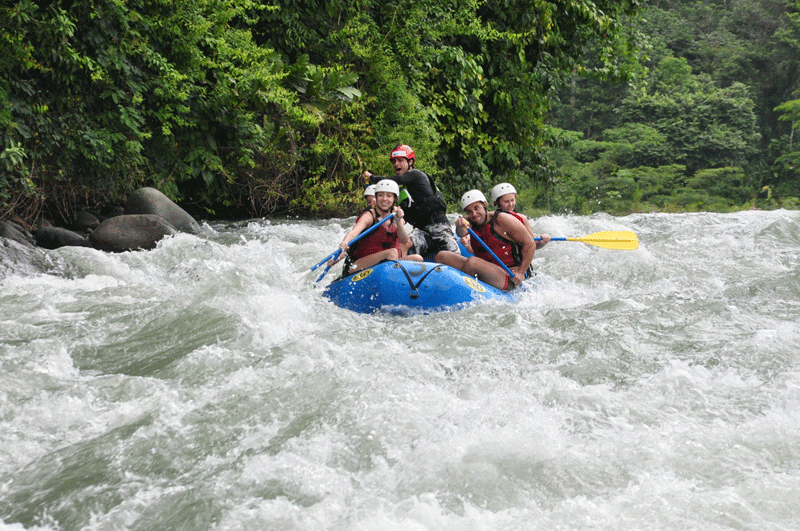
(240, 109)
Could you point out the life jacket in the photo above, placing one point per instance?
(509, 252)
(384, 237)
(518, 216)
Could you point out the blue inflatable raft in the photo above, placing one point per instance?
(405, 287)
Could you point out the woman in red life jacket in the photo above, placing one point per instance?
(504, 195)
(385, 243)
(503, 233)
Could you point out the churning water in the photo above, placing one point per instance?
(204, 386)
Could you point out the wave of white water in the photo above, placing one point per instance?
(206, 385)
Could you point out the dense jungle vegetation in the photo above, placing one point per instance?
(708, 123)
(239, 108)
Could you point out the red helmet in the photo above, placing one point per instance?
(402, 150)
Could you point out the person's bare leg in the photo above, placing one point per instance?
(450, 258)
(375, 258)
(492, 274)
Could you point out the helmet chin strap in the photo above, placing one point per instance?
(380, 210)
(485, 219)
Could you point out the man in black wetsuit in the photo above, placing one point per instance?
(432, 232)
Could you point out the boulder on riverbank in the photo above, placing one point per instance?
(150, 201)
(51, 237)
(131, 232)
(147, 218)
(85, 221)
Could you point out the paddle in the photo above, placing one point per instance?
(335, 254)
(496, 259)
(607, 239)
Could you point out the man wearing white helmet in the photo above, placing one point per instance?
(386, 242)
(504, 195)
(503, 233)
(427, 211)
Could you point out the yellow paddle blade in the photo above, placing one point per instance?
(611, 239)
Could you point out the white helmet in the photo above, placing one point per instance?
(501, 190)
(370, 190)
(387, 185)
(472, 196)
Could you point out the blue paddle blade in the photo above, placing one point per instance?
(334, 256)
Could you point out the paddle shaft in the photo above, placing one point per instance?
(367, 232)
(496, 259)
(335, 254)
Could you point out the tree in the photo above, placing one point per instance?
(704, 125)
(787, 163)
(750, 43)
(208, 102)
(467, 83)
(682, 140)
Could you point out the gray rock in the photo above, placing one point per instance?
(85, 220)
(55, 237)
(151, 201)
(20, 259)
(19, 234)
(130, 232)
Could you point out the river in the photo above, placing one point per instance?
(206, 385)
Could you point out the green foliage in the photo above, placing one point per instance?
(704, 125)
(791, 203)
(248, 108)
(466, 83)
(656, 184)
(719, 93)
(787, 164)
(109, 96)
(502, 70)
(677, 125)
(725, 182)
(207, 101)
(639, 145)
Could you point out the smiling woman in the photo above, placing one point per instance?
(385, 243)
